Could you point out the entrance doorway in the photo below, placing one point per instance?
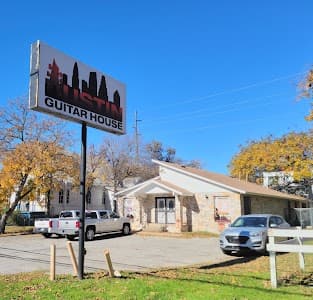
(165, 210)
(246, 205)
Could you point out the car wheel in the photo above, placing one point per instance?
(227, 252)
(46, 235)
(126, 229)
(263, 252)
(90, 234)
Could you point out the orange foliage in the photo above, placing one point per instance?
(34, 166)
(291, 153)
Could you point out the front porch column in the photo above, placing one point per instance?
(178, 213)
(143, 218)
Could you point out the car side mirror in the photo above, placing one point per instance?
(273, 225)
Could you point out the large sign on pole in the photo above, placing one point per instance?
(67, 88)
(63, 86)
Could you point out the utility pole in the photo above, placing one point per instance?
(137, 135)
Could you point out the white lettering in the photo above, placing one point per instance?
(76, 112)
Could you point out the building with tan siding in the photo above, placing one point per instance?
(182, 198)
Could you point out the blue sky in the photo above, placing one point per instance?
(204, 76)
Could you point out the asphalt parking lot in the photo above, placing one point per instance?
(26, 253)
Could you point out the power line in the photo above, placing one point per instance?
(197, 113)
(225, 124)
(261, 83)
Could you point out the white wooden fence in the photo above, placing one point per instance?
(293, 245)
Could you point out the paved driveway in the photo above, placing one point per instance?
(27, 253)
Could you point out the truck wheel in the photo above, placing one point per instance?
(46, 235)
(126, 229)
(90, 234)
(70, 237)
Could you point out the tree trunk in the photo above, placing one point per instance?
(3, 222)
(48, 203)
(18, 197)
(6, 214)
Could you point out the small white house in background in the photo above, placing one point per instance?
(277, 178)
(68, 198)
(99, 197)
(30, 205)
(182, 198)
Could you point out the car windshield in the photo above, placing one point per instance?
(250, 222)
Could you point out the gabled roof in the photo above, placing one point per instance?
(172, 187)
(227, 182)
(155, 185)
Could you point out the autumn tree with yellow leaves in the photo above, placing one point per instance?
(34, 159)
(292, 152)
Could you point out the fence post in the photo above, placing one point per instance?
(52, 262)
(73, 258)
(271, 240)
(301, 255)
(109, 262)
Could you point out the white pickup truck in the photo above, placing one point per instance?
(96, 221)
(49, 226)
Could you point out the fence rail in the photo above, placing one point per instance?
(294, 245)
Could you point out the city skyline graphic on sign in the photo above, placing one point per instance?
(89, 97)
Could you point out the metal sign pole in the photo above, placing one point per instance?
(81, 252)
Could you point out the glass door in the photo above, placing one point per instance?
(170, 211)
(160, 211)
(165, 210)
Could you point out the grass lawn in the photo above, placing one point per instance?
(242, 278)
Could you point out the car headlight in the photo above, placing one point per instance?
(256, 234)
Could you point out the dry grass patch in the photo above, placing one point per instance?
(17, 230)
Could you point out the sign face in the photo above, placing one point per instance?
(69, 89)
